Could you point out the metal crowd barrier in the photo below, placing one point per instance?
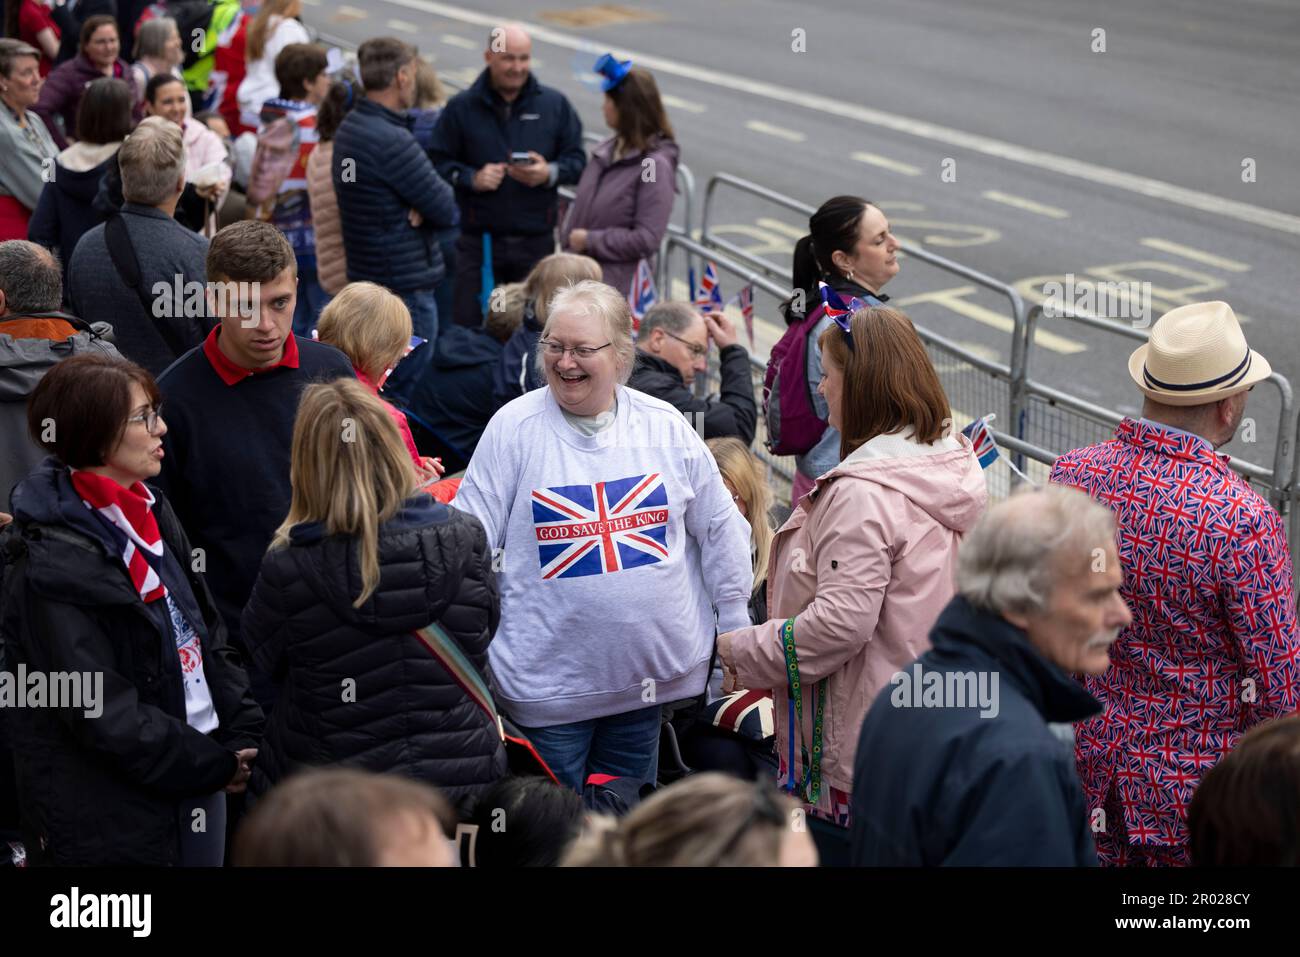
(1036, 422)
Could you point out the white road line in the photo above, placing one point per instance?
(402, 26)
(1187, 252)
(987, 145)
(677, 103)
(350, 13)
(771, 129)
(454, 40)
(884, 162)
(1028, 205)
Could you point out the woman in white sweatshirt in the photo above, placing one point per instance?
(273, 29)
(621, 554)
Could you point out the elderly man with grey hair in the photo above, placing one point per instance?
(673, 346)
(957, 761)
(142, 271)
(34, 336)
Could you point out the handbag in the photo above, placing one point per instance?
(809, 788)
(521, 756)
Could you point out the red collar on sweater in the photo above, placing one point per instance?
(232, 374)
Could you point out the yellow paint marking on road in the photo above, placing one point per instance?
(402, 26)
(1028, 205)
(955, 301)
(345, 12)
(771, 129)
(884, 162)
(677, 103)
(1196, 255)
(777, 226)
(455, 40)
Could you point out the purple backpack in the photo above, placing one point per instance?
(793, 425)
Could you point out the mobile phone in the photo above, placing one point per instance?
(521, 159)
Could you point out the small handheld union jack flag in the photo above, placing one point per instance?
(746, 296)
(709, 295)
(642, 295)
(986, 450)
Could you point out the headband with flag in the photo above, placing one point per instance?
(835, 307)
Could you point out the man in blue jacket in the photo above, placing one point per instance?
(957, 763)
(392, 205)
(505, 144)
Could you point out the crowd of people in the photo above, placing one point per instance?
(332, 442)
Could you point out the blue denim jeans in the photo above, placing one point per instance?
(424, 323)
(624, 745)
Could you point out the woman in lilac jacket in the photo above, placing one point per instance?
(625, 196)
(67, 82)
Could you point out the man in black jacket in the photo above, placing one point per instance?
(392, 205)
(507, 202)
(957, 763)
(673, 346)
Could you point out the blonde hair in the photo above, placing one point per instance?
(429, 92)
(152, 161)
(552, 273)
(748, 477)
(369, 325)
(505, 311)
(705, 820)
(349, 470)
(609, 306)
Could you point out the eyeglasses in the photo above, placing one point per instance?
(697, 350)
(150, 419)
(554, 348)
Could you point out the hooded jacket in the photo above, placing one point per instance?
(30, 346)
(516, 371)
(107, 788)
(66, 210)
(863, 565)
(624, 205)
(978, 781)
(406, 715)
(453, 398)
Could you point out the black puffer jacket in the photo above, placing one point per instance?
(108, 789)
(357, 687)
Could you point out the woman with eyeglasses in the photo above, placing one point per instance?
(862, 567)
(850, 248)
(66, 85)
(27, 150)
(622, 553)
(103, 589)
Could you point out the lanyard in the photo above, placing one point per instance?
(808, 789)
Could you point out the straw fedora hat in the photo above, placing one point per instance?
(1197, 354)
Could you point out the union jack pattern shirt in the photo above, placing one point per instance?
(1212, 650)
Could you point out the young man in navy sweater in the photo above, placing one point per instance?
(231, 404)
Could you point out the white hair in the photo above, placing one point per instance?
(1010, 560)
(595, 300)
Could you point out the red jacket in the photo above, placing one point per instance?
(1212, 650)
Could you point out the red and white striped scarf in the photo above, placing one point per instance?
(130, 511)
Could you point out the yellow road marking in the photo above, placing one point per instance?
(677, 103)
(1187, 252)
(455, 40)
(402, 26)
(771, 129)
(884, 162)
(1028, 205)
(954, 300)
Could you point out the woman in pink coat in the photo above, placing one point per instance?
(207, 163)
(863, 566)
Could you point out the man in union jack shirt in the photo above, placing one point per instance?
(1213, 649)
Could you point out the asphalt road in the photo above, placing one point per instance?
(1157, 150)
